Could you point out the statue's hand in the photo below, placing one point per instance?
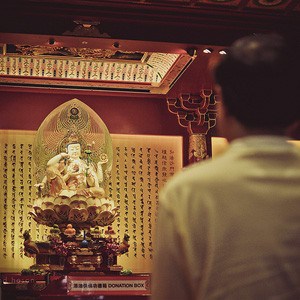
(64, 155)
(74, 174)
(40, 186)
(103, 159)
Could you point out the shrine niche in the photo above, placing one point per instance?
(72, 152)
(69, 226)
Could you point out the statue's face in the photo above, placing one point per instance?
(74, 150)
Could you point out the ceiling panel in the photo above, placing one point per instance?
(169, 36)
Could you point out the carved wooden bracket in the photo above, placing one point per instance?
(197, 113)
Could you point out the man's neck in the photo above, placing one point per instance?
(237, 130)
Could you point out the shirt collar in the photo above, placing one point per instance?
(262, 141)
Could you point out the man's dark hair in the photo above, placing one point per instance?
(259, 81)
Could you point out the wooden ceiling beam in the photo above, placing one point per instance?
(157, 21)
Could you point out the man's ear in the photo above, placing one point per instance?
(219, 96)
(223, 109)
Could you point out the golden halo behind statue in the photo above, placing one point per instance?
(69, 120)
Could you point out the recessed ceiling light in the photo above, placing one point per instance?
(222, 52)
(207, 50)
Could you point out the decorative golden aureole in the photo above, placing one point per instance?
(72, 152)
(196, 113)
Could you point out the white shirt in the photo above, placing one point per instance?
(229, 228)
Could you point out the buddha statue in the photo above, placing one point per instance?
(73, 158)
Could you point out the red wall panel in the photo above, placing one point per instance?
(124, 114)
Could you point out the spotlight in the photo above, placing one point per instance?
(223, 52)
(116, 45)
(51, 41)
(208, 50)
(191, 52)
